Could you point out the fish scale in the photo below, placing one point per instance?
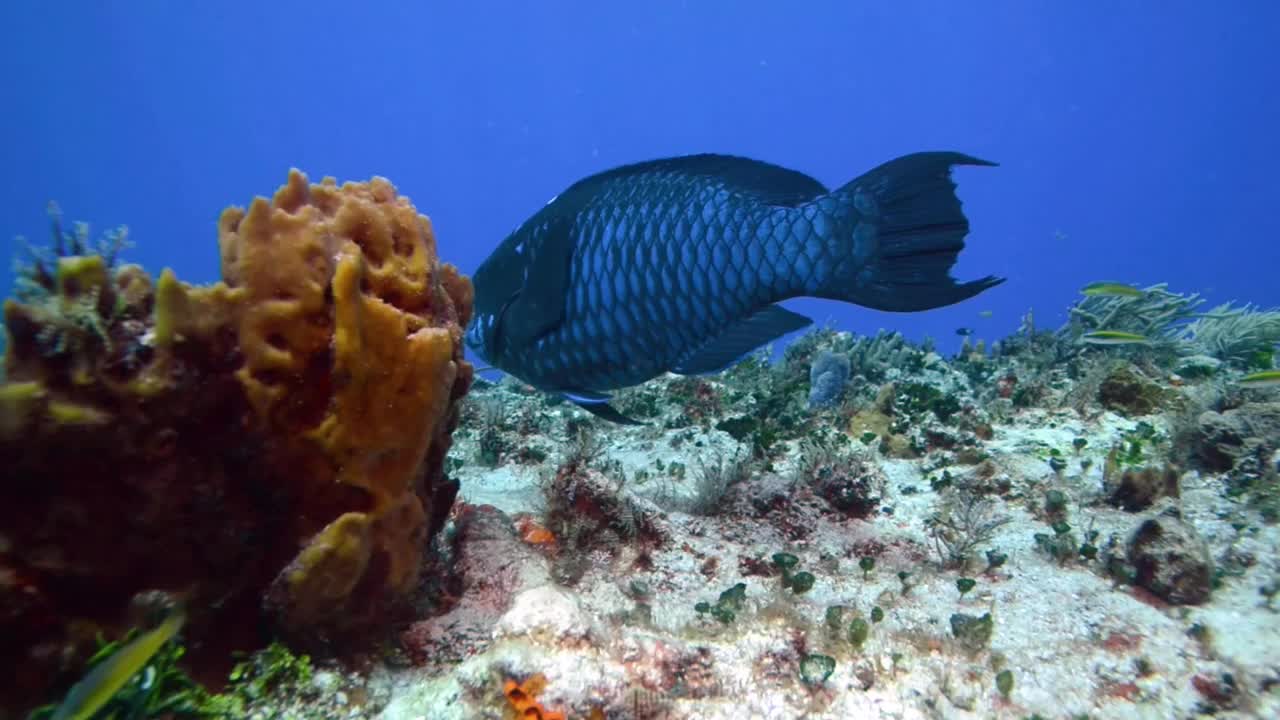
(677, 265)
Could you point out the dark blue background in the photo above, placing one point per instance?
(1138, 140)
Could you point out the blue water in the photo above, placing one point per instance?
(1137, 140)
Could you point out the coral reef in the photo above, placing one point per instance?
(1030, 512)
(268, 448)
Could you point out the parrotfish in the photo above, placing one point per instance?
(678, 265)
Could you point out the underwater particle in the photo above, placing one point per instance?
(859, 630)
(1110, 289)
(974, 633)
(815, 669)
(877, 614)
(1114, 337)
(1004, 682)
(91, 693)
(965, 584)
(1264, 379)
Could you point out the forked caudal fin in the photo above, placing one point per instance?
(905, 230)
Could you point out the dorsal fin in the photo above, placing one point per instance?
(768, 183)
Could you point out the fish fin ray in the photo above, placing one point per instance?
(765, 182)
(598, 404)
(738, 339)
(920, 231)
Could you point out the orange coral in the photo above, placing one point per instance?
(521, 697)
(274, 441)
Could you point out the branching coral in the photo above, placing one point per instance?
(1242, 336)
(965, 520)
(872, 357)
(714, 478)
(1155, 314)
(37, 276)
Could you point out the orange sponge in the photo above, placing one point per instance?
(273, 442)
(352, 347)
(521, 696)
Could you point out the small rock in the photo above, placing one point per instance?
(1171, 560)
(1138, 489)
(544, 609)
(1226, 437)
(325, 681)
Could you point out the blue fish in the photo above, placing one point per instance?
(677, 265)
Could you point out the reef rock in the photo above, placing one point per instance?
(1138, 490)
(270, 447)
(1127, 392)
(1171, 560)
(1225, 437)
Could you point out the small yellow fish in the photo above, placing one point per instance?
(985, 313)
(96, 688)
(1111, 288)
(1114, 337)
(1266, 378)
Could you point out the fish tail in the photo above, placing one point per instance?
(893, 235)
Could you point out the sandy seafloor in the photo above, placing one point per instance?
(613, 631)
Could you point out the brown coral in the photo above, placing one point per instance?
(273, 443)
